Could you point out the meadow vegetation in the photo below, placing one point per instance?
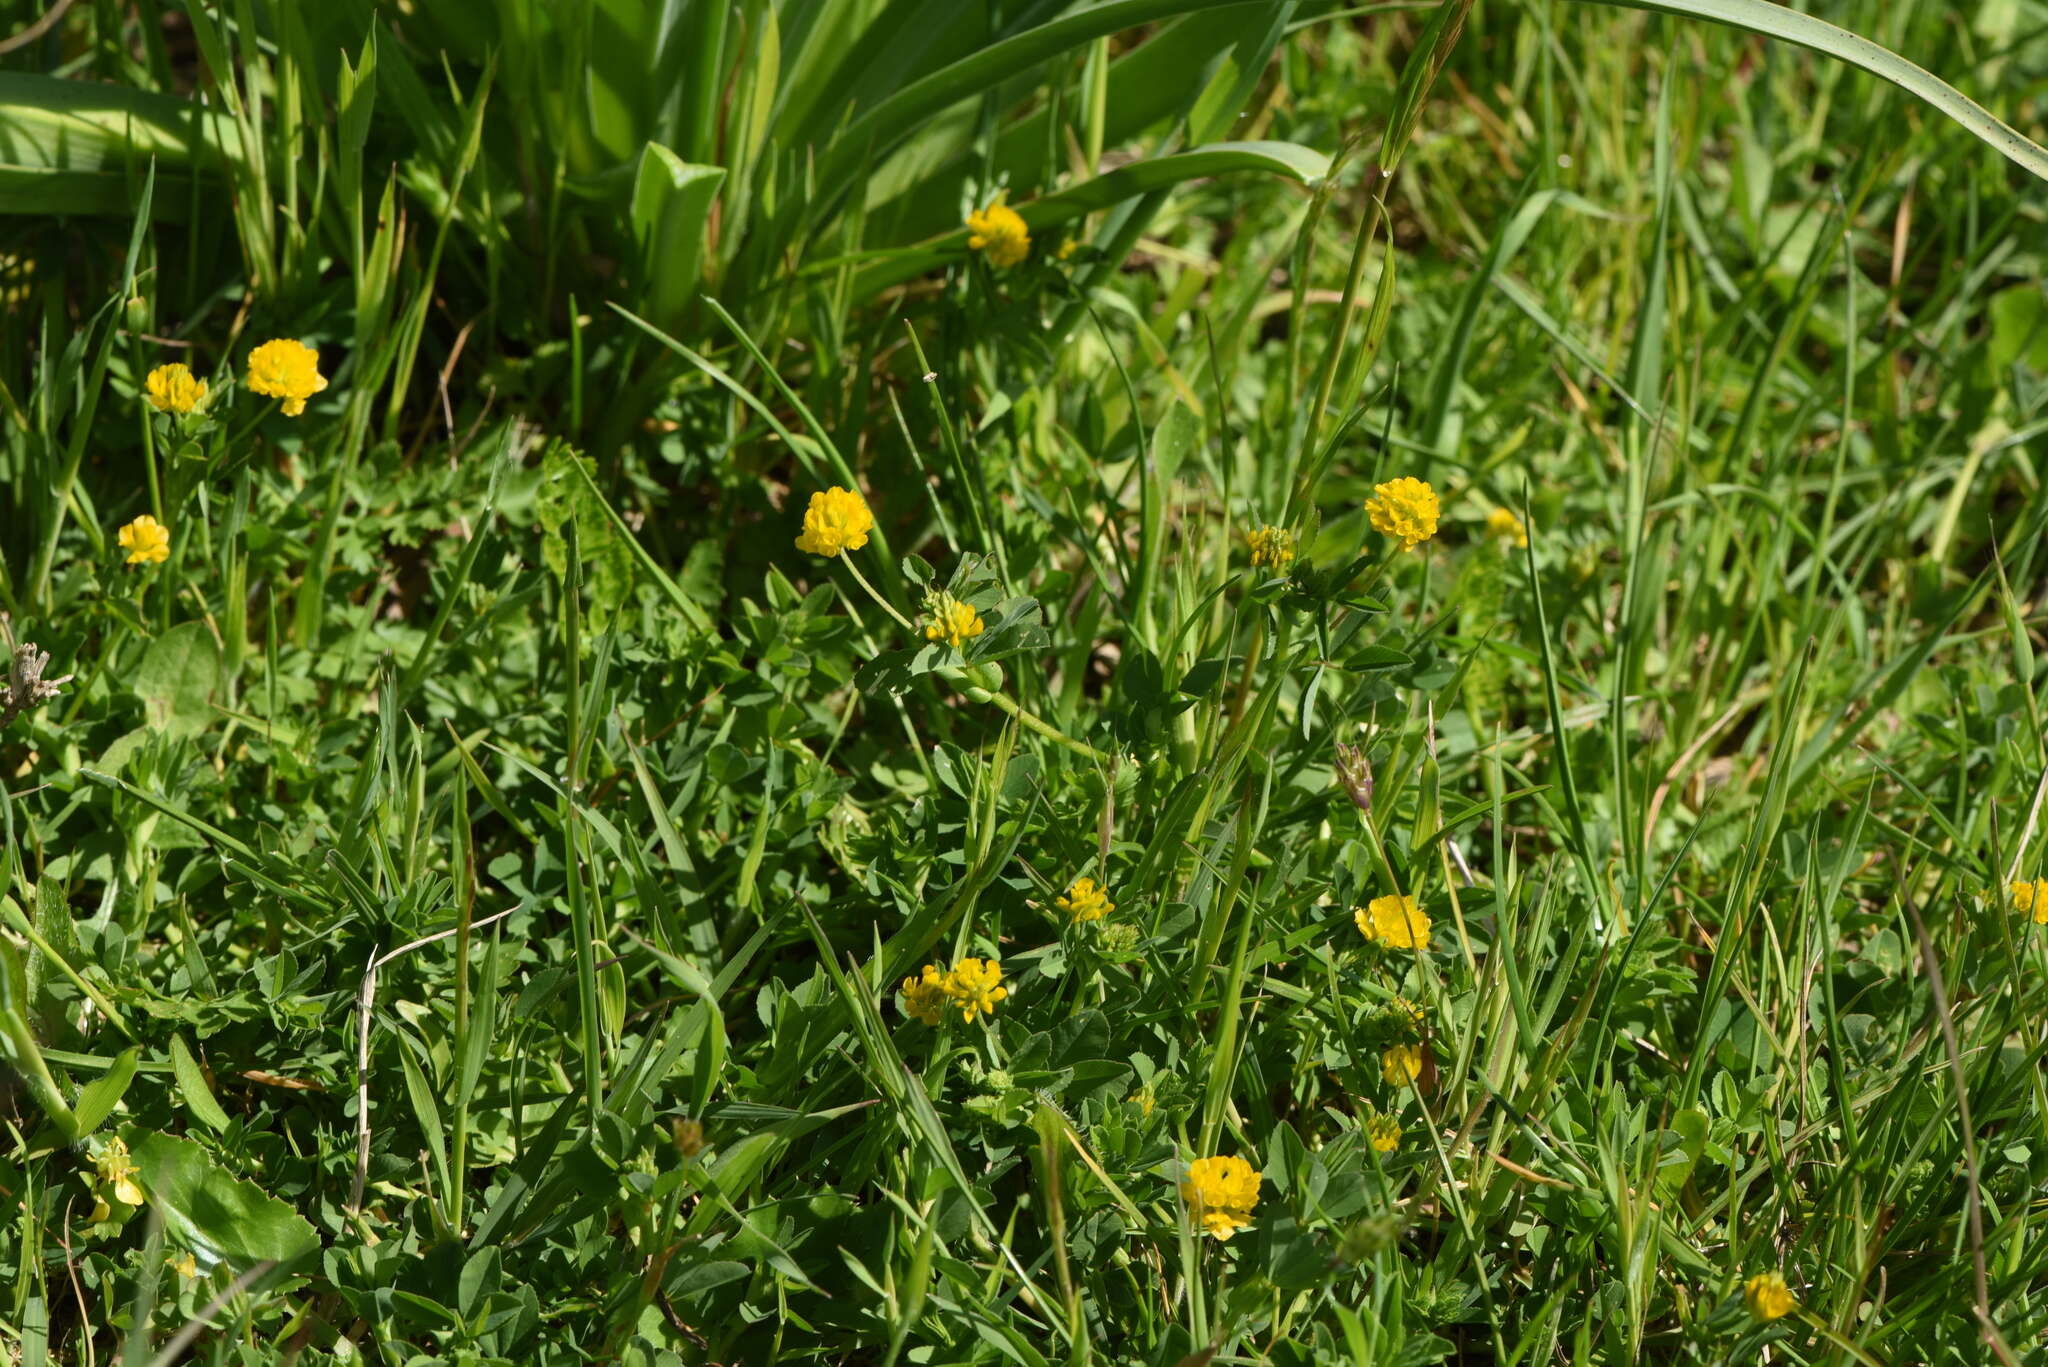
(904, 681)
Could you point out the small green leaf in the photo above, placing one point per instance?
(97, 1100)
(192, 1086)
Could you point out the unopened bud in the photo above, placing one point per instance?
(1354, 771)
(1372, 1235)
(689, 1137)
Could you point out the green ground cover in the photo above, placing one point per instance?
(793, 695)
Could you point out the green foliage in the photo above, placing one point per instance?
(471, 902)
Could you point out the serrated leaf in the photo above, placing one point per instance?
(567, 490)
(211, 1210)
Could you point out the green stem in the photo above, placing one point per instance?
(862, 580)
(1032, 721)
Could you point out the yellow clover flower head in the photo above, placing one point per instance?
(837, 520)
(1767, 1296)
(975, 986)
(1221, 1192)
(286, 368)
(1392, 921)
(1384, 1132)
(999, 233)
(1271, 546)
(174, 389)
(147, 541)
(1086, 900)
(1401, 1064)
(1067, 245)
(948, 619)
(924, 997)
(1502, 525)
(1405, 508)
(186, 1266)
(2032, 897)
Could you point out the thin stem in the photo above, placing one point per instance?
(1034, 722)
(854, 570)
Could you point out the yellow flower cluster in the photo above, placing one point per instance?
(973, 987)
(1271, 545)
(1383, 1132)
(999, 233)
(282, 368)
(924, 996)
(2032, 897)
(1767, 1296)
(1401, 1064)
(1221, 1192)
(1404, 508)
(950, 620)
(1502, 525)
(174, 389)
(286, 369)
(837, 520)
(1392, 921)
(147, 541)
(1086, 900)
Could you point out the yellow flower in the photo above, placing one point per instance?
(185, 1265)
(975, 986)
(1502, 525)
(948, 619)
(117, 1170)
(1406, 508)
(1384, 1132)
(1767, 1296)
(1272, 546)
(1393, 921)
(924, 998)
(2032, 897)
(1221, 1192)
(174, 389)
(1067, 245)
(286, 369)
(1086, 900)
(147, 541)
(1144, 1101)
(837, 520)
(1000, 233)
(1401, 1064)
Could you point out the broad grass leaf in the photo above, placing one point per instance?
(97, 1100)
(178, 679)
